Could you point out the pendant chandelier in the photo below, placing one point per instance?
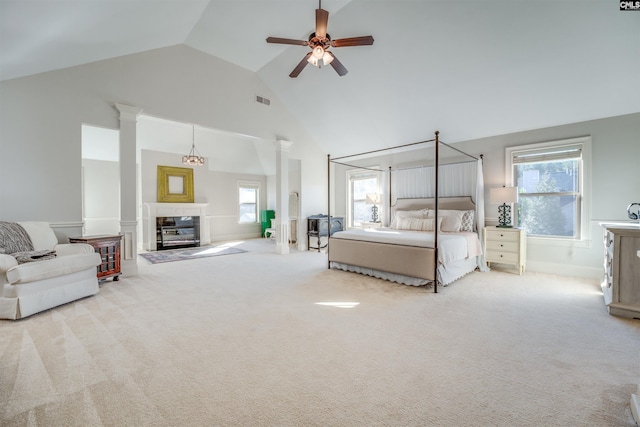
(193, 158)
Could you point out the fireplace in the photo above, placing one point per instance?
(177, 232)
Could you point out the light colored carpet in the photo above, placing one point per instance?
(242, 341)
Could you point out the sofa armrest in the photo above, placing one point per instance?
(63, 249)
(6, 262)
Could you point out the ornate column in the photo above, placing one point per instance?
(128, 205)
(282, 196)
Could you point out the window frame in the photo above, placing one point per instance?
(254, 185)
(360, 174)
(583, 202)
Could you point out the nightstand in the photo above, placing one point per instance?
(506, 246)
(366, 225)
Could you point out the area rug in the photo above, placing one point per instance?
(172, 255)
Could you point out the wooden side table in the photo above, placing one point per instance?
(506, 246)
(108, 247)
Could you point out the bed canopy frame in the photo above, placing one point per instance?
(436, 147)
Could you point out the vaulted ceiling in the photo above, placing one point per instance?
(470, 69)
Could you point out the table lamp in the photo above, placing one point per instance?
(504, 196)
(373, 199)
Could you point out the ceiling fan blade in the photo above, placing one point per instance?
(353, 41)
(337, 65)
(300, 66)
(287, 41)
(322, 17)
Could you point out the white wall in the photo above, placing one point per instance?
(42, 117)
(101, 189)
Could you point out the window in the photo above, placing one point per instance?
(248, 198)
(360, 184)
(551, 190)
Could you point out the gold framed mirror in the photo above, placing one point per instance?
(175, 185)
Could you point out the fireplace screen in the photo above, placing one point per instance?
(177, 232)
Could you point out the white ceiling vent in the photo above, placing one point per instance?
(263, 100)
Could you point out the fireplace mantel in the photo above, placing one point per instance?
(154, 210)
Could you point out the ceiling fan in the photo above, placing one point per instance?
(320, 42)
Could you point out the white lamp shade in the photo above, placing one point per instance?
(372, 199)
(502, 195)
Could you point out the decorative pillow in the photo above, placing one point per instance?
(466, 218)
(415, 224)
(420, 213)
(468, 221)
(451, 223)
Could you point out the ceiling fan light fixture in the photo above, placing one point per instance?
(321, 60)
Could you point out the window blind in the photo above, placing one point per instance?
(547, 155)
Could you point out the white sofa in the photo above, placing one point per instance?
(32, 287)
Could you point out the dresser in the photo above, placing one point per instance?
(108, 247)
(621, 281)
(506, 246)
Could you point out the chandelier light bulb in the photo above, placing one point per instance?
(318, 52)
(327, 58)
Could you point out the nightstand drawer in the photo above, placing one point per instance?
(503, 236)
(503, 257)
(504, 246)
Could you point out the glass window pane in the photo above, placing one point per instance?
(248, 212)
(360, 187)
(551, 215)
(247, 195)
(248, 198)
(361, 212)
(548, 177)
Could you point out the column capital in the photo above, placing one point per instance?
(282, 145)
(127, 112)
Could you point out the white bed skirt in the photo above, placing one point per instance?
(446, 275)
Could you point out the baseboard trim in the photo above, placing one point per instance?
(565, 269)
(226, 237)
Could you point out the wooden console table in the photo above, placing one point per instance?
(108, 247)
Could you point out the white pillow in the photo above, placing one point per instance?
(451, 223)
(451, 219)
(419, 213)
(41, 234)
(465, 218)
(415, 224)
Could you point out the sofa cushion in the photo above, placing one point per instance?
(42, 236)
(59, 266)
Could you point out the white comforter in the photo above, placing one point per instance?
(451, 246)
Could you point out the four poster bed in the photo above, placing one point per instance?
(406, 251)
